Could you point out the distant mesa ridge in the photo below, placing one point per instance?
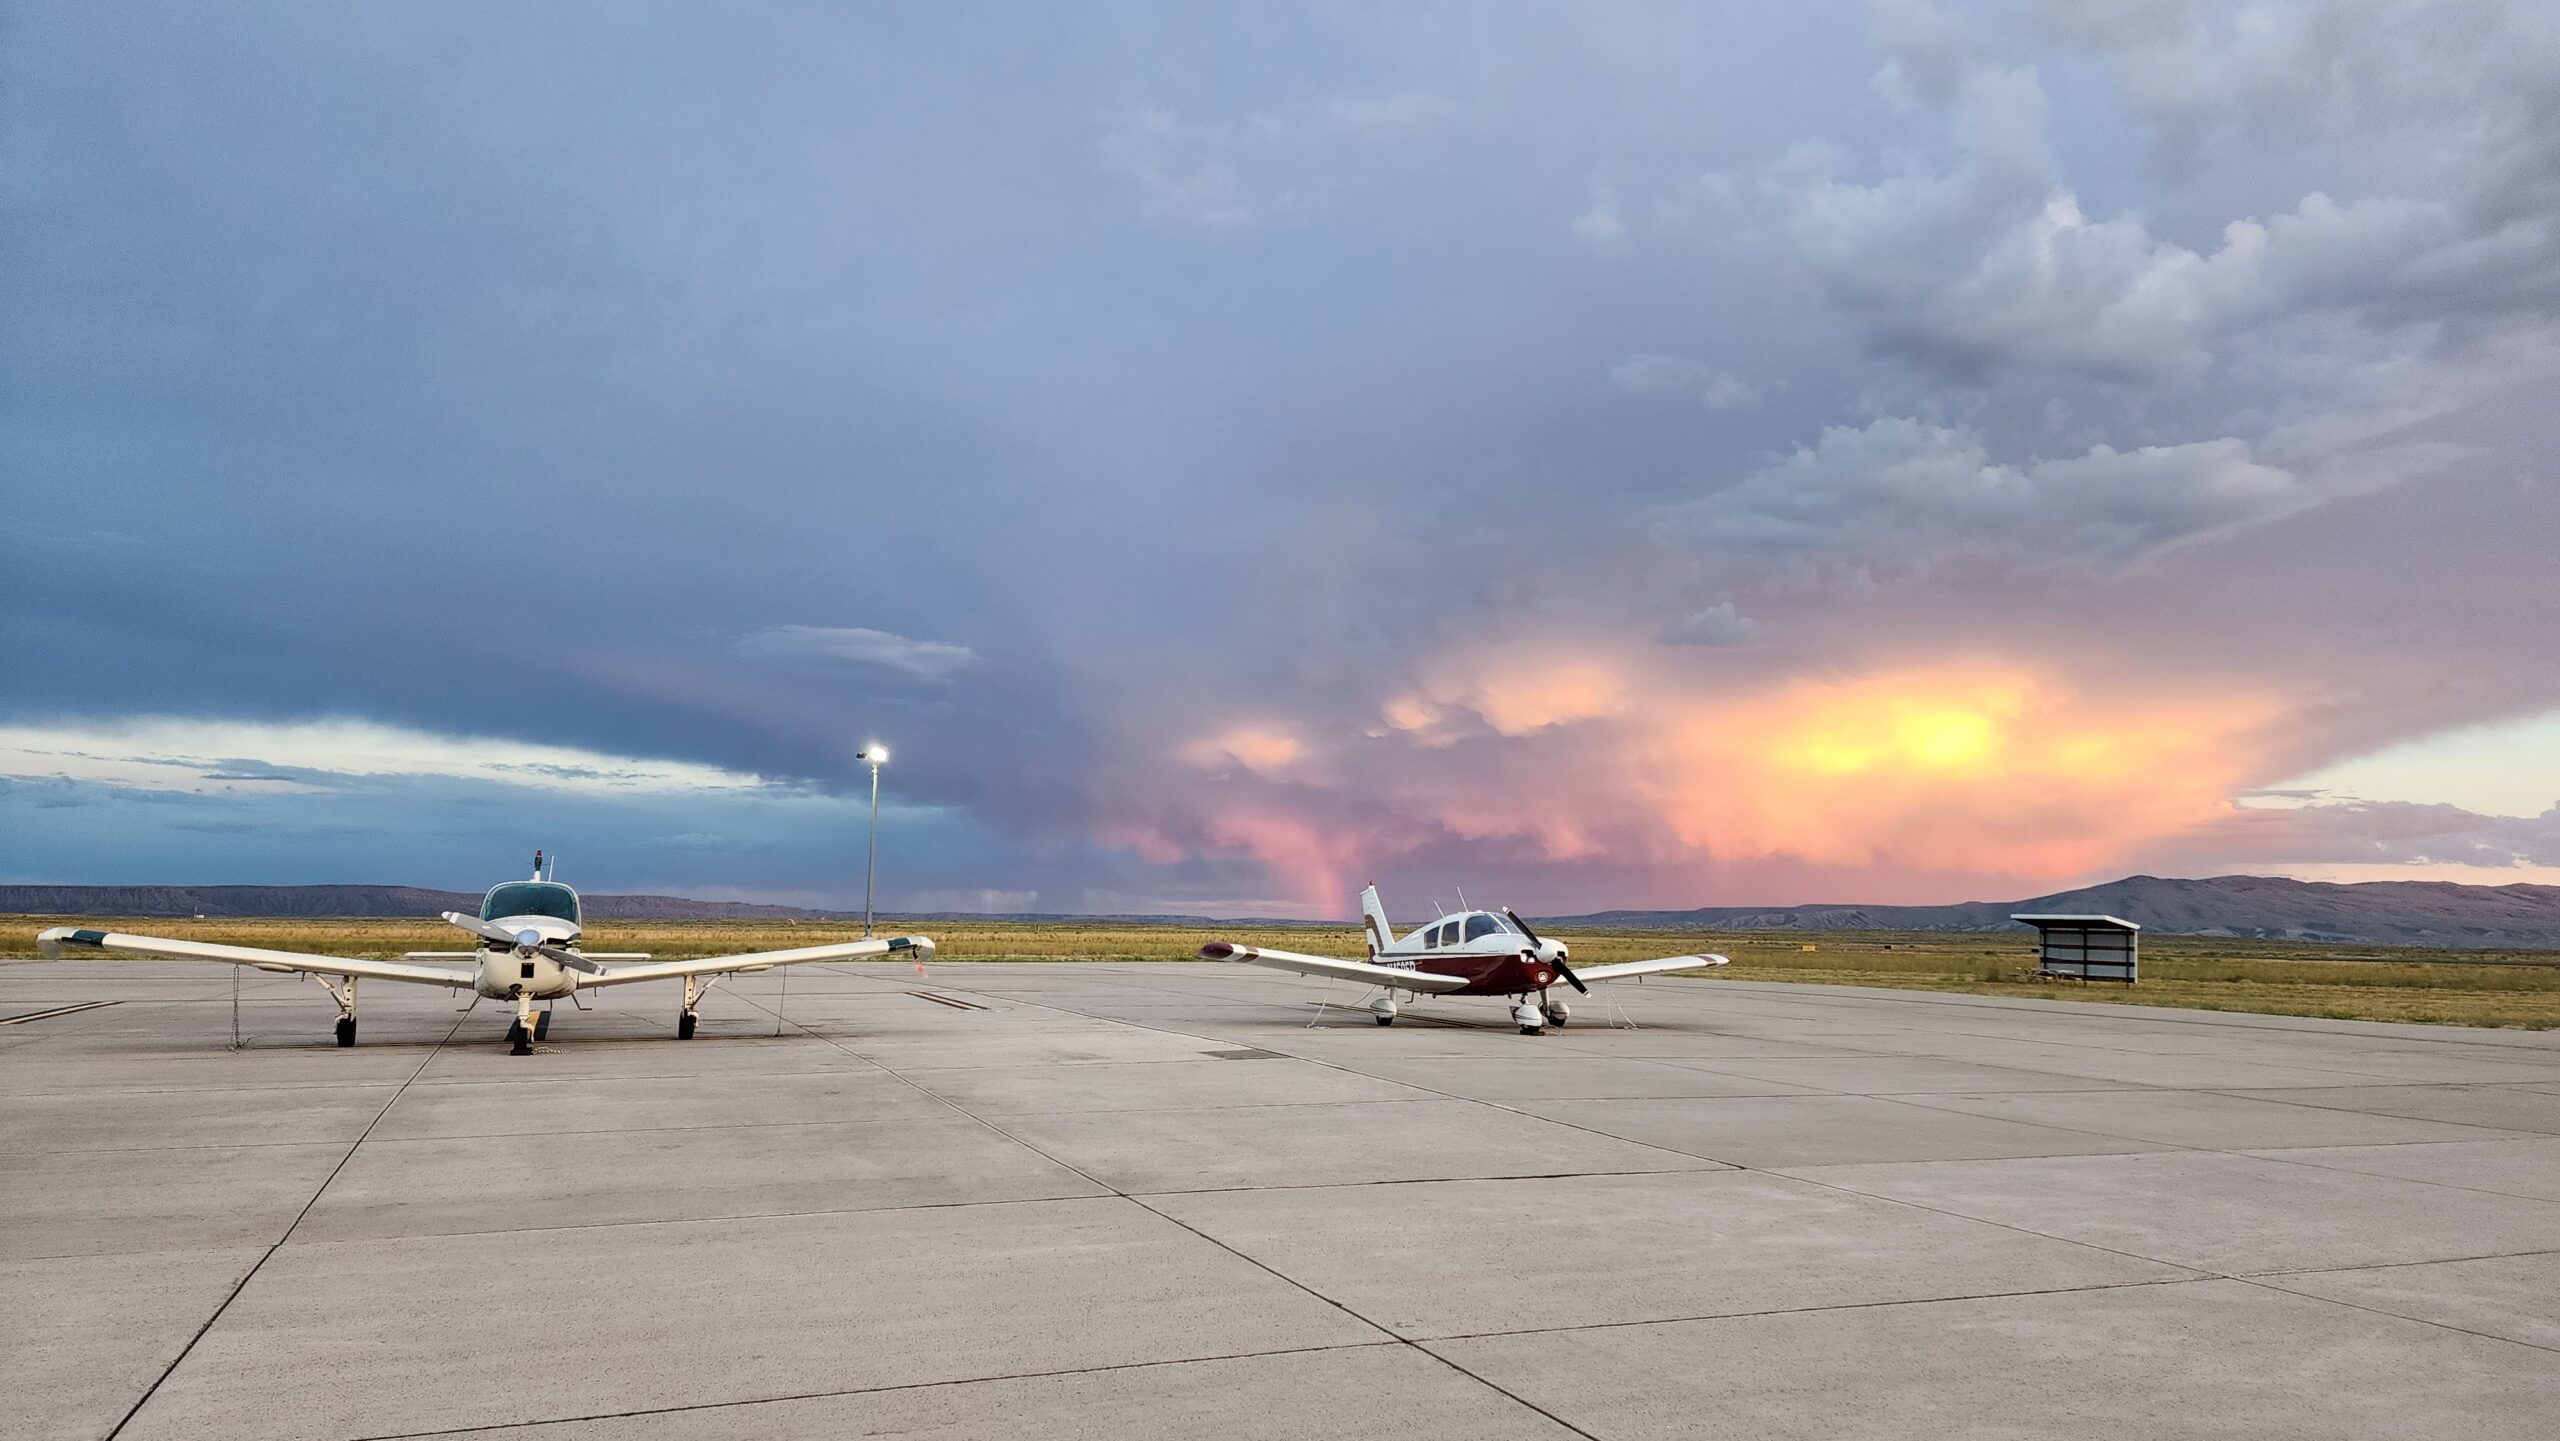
(2387, 913)
(2383, 913)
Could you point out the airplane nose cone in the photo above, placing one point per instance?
(528, 938)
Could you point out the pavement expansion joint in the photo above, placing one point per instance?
(2375, 1309)
(252, 1273)
(2391, 1265)
(1882, 1305)
(939, 1385)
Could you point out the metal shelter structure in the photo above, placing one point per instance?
(2088, 948)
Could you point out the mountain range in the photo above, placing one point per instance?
(2388, 913)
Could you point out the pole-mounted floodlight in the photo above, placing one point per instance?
(875, 755)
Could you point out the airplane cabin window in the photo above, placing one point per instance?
(531, 898)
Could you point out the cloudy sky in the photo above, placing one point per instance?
(1597, 455)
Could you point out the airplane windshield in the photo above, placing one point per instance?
(1480, 925)
(531, 898)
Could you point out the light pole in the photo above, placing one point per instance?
(876, 755)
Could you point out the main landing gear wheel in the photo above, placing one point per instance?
(1386, 1020)
(684, 1026)
(1556, 1016)
(346, 1030)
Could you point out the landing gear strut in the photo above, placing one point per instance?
(695, 988)
(345, 996)
(522, 1032)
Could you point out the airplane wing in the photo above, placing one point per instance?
(918, 947)
(1667, 965)
(70, 941)
(1396, 976)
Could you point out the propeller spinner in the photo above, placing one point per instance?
(527, 942)
(1557, 960)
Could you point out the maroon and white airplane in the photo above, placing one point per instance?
(1472, 953)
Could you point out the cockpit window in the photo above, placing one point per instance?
(531, 898)
(1480, 925)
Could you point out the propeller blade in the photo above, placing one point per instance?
(1523, 925)
(572, 960)
(483, 929)
(516, 941)
(1534, 939)
(1570, 978)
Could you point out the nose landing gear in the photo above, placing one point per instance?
(527, 1026)
(1533, 1022)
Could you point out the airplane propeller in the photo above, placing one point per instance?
(1561, 968)
(524, 941)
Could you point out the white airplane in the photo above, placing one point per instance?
(528, 954)
(1473, 953)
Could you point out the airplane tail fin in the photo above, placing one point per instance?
(1373, 917)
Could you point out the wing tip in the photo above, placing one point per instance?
(53, 941)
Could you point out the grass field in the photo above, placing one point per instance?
(2472, 988)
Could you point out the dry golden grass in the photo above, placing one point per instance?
(2478, 988)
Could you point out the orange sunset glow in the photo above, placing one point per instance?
(1981, 767)
(1985, 766)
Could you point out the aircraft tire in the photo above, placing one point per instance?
(684, 1026)
(522, 1047)
(1386, 1020)
(346, 1030)
(1533, 1030)
(542, 1026)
